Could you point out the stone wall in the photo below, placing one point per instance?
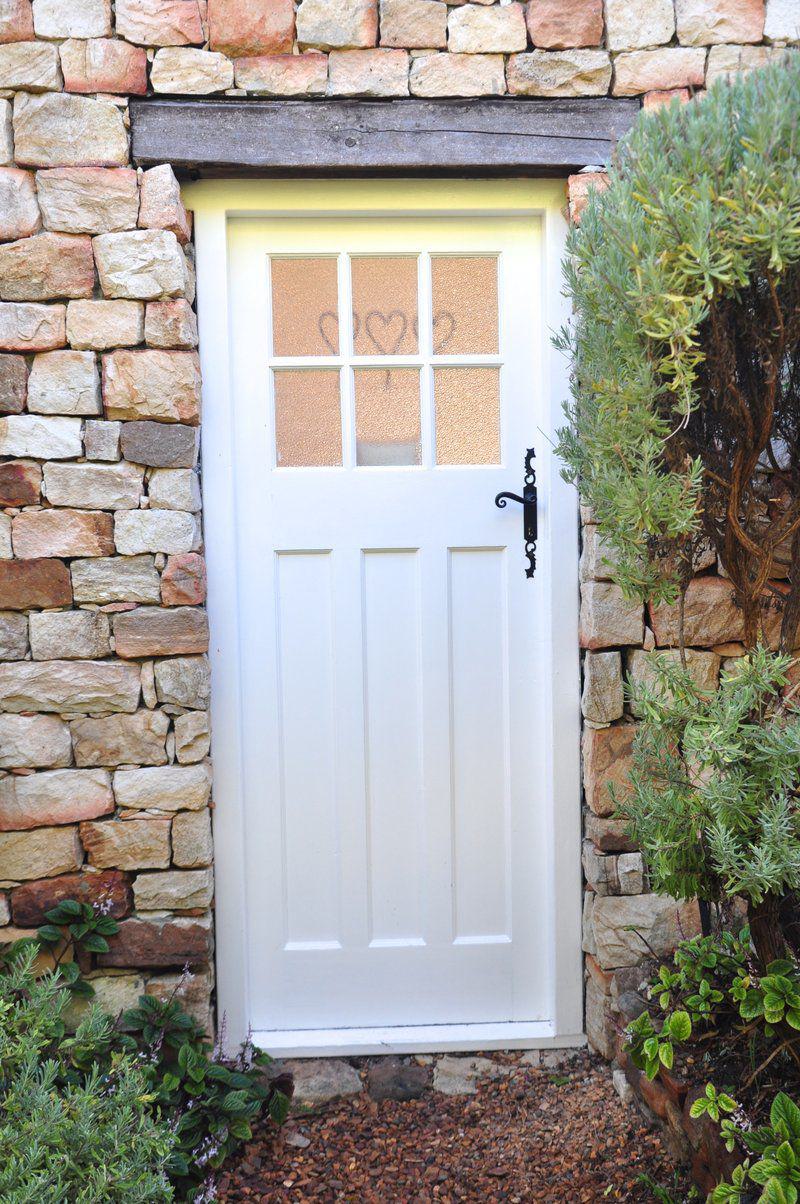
(104, 683)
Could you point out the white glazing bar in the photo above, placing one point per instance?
(427, 417)
(346, 387)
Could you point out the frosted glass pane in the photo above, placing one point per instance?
(464, 304)
(308, 428)
(384, 304)
(467, 415)
(387, 416)
(305, 317)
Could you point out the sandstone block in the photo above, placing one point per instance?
(14, 636)
(702, 666)
(101, 440)
(192, 737)
(103, 65)
(42, 533)
(5, 537)
(94, 486)
(60, 130)
(164, 385)
(182, 681)
(113, 994)
(458, 75)
(608, 619)
(659, 99)
(16, 21)
(19, 209)
(171, 324)
(41, 853)
(711, 617)
(193, 990)
(559, 73)
(157, 444)
(98, 325)
(27, 583)
(13, 384)
(607, 761)
(159, 942)
(94, 687)
(337, 24)
(34, 742)
(6, 133)
(664, 922)
(32, 328)
(168, 789)
(192, 846)
(368, 73)
(601, 1032)
(137, 739)
(137, 531)
(64, 382)
(564, 24)
(155, 631)
(648, 70)
(413, 23)
(283, 74)
(131, 844)
(184, 69)
(782, 21)
(109, 889)
(724, 61)
(117, 579)
(88, 200)
(56, 796)
(176, 890)
(702, 22)
(63, 19)
(608, 835)
(174, 489)
(160, 22)
(20, 483)
(239, 27)
(598, 561)
(633, 24)
(140, 264)
(183, 581)
(46, 266)
(44, 438)
(69, 635)
(473, 29)
(615, 874)
(161, 205)
(33, 66)
(602, 699)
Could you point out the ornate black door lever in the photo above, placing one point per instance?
(529, 515)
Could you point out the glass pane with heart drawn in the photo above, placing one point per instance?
(384, 304)
(464, 292)
(305, 305)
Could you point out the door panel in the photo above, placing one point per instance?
(387, 380)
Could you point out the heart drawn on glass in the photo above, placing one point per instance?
(386, 332)
(328, 326)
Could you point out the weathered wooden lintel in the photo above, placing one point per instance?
(480, 136)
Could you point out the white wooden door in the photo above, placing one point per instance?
(386, 382)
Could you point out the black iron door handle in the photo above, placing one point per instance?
(528, 501)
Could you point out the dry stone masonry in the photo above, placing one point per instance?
(105, 783)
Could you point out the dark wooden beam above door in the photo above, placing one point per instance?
(498, 136)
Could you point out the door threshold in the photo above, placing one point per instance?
(417, 1038)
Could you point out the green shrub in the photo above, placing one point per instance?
(66, 1135)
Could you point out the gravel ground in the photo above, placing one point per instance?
(531, 1135)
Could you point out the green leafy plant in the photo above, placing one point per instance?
(92, 1138)
(714, 1104)
(651, 1048)
(776, 1167)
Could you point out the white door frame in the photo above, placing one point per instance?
(214, 202)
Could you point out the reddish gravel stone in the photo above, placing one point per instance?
(109, 888)
(34, 583)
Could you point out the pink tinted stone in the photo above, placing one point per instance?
(712, 616)
(56, 796)
(16, 21)
(251, 26)
(664, 96)
(183, 582)
(160, 206)
(655, 70)
(578, 188)
(703, 22)
(34, 583)
(164, 385)
(46, 266)
(157, 631)
(42, 533)
(104, 65)
(607, 760)
(160, 22)
(19, 210)
(283, 74)
(563, 24)
(368, 73)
